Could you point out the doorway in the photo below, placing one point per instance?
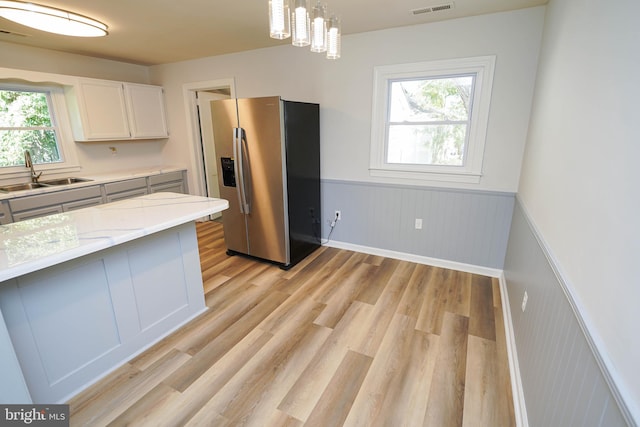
(198, 96)
(209, 159)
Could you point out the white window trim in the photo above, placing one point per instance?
(471, 172)
(66, 143)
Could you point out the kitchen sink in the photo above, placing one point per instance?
(20, 187)
(63, 181)
(42, 184)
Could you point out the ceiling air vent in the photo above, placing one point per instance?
(429, 9)
(11, 33)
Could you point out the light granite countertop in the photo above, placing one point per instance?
(34, 244)
(95, 179)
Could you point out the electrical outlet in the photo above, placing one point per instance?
(524, 301)
(418, 223)
(337, 215)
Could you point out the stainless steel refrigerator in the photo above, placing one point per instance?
(268, 155)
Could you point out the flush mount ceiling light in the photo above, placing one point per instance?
(308, 26)
(51, 20)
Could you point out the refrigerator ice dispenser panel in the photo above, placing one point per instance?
(228, 172)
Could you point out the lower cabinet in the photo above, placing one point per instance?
(173, 182)
(5, 213)
(79, 204)
(36, 213)
(125, 189)
(52, 203)
(23, 208)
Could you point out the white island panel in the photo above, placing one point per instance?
(116, 279)
(149, 266)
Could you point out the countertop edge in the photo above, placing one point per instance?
(90, 245)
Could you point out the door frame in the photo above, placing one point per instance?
(197, 179)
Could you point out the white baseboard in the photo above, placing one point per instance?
(419, 259)
(519, 406)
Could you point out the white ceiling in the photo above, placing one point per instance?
(149, 32)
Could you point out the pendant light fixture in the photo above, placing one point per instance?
(319, 28)
(51, 20)
(307, 26)
(279, 21)
(333, 38)
(300, 24)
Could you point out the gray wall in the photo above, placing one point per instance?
(465, 226)
(562, 381)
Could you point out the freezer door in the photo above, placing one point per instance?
(224, 119)
(263, 148)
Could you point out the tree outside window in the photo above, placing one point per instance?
(27, 123)
(428, 120)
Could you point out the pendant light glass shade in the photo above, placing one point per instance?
(333, 38)
(300, 24)
(319, 28)
(51, 20)
(279, 21)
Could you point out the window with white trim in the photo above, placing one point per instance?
(30, 119)
(430, 119)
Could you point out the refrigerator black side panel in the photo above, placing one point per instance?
(302, 141)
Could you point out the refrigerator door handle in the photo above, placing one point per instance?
(238, 153)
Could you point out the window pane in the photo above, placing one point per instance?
(23, 115)
(439, 99)
(40, 143)
(427, 144)
(24, 109)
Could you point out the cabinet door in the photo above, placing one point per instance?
(126, 195)
(172, 181)
(72, 206)
(172, 187)
(147, 117)
(36, 213)
(125, 189)
(5, 213)
(103, 110)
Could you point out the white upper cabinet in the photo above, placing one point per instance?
(145, 105)
(110, 110)
(101, 109)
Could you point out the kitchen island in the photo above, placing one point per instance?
(84, 291)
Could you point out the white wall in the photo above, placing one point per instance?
(280, 71)
(95, 156)
(580, 175)
(344, 87)
(51, 61)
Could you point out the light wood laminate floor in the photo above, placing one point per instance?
(343, 338)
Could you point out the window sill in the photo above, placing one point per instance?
(460, 177)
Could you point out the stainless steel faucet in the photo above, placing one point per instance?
(28, 163)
